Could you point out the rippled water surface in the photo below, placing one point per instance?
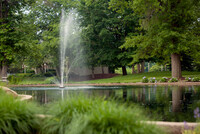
(166, 103)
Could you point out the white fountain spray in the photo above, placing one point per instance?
(67, 24)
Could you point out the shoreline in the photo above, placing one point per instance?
(181, 83)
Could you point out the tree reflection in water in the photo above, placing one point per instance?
(167, 103)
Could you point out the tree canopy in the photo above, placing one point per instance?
(170, 29)
(115, 33)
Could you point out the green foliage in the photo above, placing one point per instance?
(189, 79)
(51, 80)
(50, 73)
(145, 80)
(153, 80)
(119, 70)
(117, 79)
(79, 114)
(14, 79)
(104, 31)
(196, 79)
(163, 79)
(155, 68)
(137, 77)
(17, 117)
(12, 30)
(170, 27)
(63, 112)
(173, 80)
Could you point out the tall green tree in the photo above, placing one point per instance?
(11, 14)
(169, 26)
(104, 32)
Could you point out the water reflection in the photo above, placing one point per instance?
(167, 103)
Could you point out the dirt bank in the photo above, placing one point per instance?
(181, 83)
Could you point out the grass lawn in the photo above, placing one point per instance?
(138, 77)
(37, 80)
(117, 79)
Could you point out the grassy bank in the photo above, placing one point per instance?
(27, 80)
(17, 117)
(75, 115)
(88, 115)
(138, 77)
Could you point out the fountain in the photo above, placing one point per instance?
(68, 32)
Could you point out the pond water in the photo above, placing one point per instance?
(164, 103)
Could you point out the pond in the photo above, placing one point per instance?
(164, 103)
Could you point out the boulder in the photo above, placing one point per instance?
(14, 94)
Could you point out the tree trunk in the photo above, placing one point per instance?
(93, 72)
(165, 67)
(4, 70)
(133, 69)
(176, 65)
(4, 8)
(39, 70)
(138, 68)
(0, 71)
(148, 66)
(161, 68)
(142, 66)
(125, 95)
(124, 70)
(102, 69)
(176, 99)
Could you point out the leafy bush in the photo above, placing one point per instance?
(83, 115)
(155, 68)
(186, 129)
(163, 79)
(145, 80)
(51, 80)
(128, 69)
(195, 79)
(14, 79)
(17, 117)
(173, 80)
(50, 73)
(63, 112)
(189, 79)
(37, 75)
(153, 80)
(24, 75)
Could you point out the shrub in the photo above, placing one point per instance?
(37, 75)
(24, 75)
(195, 79)
(50, 73)
(189, 79)
(153, 80)
(173, 79)
(155, 68)
(110, 118)
(145, 80)
(51, 80)
(83, 115)
(17, 117)
(186, 129)
(14, 79)
(163, 79)
(63, 112)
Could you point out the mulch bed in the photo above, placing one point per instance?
(180, 83)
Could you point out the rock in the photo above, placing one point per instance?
(9, 91)
(14, 94)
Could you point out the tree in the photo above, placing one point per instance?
(43, 39)
(169, 26)
(11, 14)
(104, 32)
